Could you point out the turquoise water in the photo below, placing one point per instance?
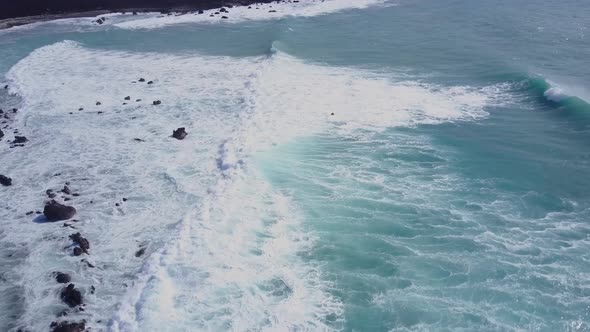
(429, 222)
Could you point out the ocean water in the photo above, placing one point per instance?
(351, 165)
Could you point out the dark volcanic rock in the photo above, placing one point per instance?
(179, 133)
(141, 80)
(140, 252)
(71, 296)
(128, 98)
(224, 17)
(19, 139)
(68, 327)
(157, 102)
(66, 190)
(81, 241)
(5, 180)
(54, 211)
(63, 278)
(78, 251)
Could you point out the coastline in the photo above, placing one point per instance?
(10, 22)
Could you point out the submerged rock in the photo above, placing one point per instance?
(71, 296)
(20, 139)
(78, 251)
(140, 252)
(62, 278)
(55, 211)
(179, 133)
(81, 241)
(5, 180)
(68, 327)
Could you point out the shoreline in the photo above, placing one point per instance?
(8, 23)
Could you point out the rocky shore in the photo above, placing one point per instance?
(29, 11)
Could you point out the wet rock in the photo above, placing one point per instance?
(141, 80)
(140, 252)
(224, 17)
(68, 327)
(98, 103)
(157, 102)
(223, 10)
(88, 263)
(128, 98)
(6, 87)
(92, 289)
(124, 199)
(137, 100)
(201, 12)
(75, 194)
(138, 140)
(5, 180)
(331, 113)
(62, 278)
(81, 241)
(81, 109)
(78, 251)
(29, 213)
(1, 134)
(55, 211)
(71, 296)
(179, 133)
(20, 139)
(272, 11)
(150, 82)
(66, 190)
(117, 204)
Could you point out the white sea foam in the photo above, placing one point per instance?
(222, 244)
(262, 11)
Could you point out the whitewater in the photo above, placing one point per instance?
(324, 185)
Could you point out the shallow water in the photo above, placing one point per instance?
(448, 190)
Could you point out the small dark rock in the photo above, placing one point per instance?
(331, 113)
(1, 134)
(201, 12)
(116, 204)
(92, 289)
(98, 103)
(71, 296)
(224, 17)
(63, 278)
(137, 100)
(30, 213)
(140, 252)
(81, 109)
(50, 193)
(5, 87)
(67, 199)
(150, 82)
(19, 139)
(38, 212)
(78, 251)
(128, 98)
(179, 133)
(55, 211)
(66, 190)
(81, 241)
(223, 10)
(68, 327)
(88, 263)
(124, 199)
(75, 194)
(272, 11)
(157, 102)
(5, 180)
(141, 80)
(99, 112)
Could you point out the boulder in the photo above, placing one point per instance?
(179, 133)
(68, 327)
(128, 98)
(141, 80)
(157, 102)
(223, 10)
(5, 180)
(55, 211)
(98, 103)
(71, 296)
(62, 278)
